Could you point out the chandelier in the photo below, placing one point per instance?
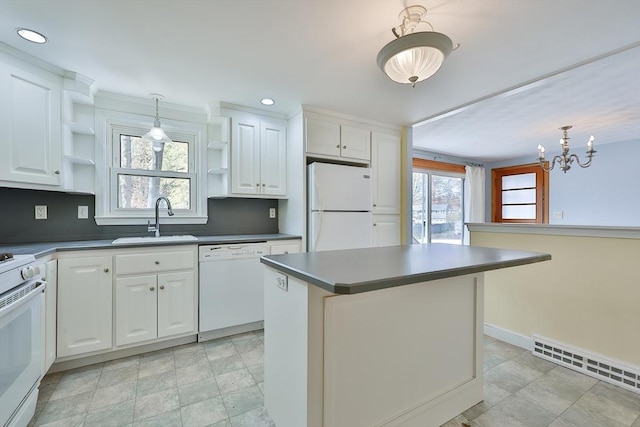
(565, 159)
(413, 56)
(156, 135)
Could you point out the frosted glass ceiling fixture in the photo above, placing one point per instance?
(565, 159)
(32, 36)
(414, 56)
(267, 101)
(156, 135)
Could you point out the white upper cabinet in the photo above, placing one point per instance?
(258, 156)
(385, 171)
(328, 137)
(30, 125)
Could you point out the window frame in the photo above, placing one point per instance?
(542, 192)
(109, 126)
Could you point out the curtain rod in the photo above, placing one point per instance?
(480, 165)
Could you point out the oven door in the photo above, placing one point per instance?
(20, 345)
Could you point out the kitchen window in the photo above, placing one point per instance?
(137, 173)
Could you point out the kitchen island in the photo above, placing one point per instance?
(377, 336)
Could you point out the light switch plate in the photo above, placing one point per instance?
(282, 282)
(272, 212)
(83, 212)
(41, 211)
(558, 215)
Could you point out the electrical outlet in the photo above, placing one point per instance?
(558, 215)
(41, 211)
(272, 212)
(83, 212)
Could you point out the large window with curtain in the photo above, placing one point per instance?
(437, 202)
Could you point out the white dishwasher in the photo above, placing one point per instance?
(231, 288)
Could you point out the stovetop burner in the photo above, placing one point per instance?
(6, 256)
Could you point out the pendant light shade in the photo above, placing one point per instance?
(156, 135)
(413, 56)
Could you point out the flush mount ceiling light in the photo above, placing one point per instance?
(30, 35)
(156, 135)
(565, 159)
(414, 56)
(267, 101)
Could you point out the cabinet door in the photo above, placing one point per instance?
(176, 303)
(136, 309)
(356, 143)
(245, 156)
(386, 230)
(273, 159)
(385, 171)
(323, 137)
(30, 126)
(84, 305)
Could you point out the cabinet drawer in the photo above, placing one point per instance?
(287, 248)
(154, 262)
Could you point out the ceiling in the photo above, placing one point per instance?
(323, 53)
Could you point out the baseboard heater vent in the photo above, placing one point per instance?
(592, 364)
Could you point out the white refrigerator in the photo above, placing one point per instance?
(339, 207)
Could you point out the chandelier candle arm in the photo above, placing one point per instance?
(565, 159)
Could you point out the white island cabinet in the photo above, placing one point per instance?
(388, 336)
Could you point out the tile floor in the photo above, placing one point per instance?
(219, 383)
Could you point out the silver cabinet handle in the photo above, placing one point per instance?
(375, 225)
(374, 205)
(157, 262)
(264, 185)
(344, 146)
(106, 270)
(161, 286)
(258, 184)
(338, 146)
(152, 288)
(57, 172)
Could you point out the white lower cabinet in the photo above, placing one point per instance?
(386, 230)
(84, 305)
(50, 314)
(152, 301)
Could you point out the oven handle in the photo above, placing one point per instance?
(21, 297)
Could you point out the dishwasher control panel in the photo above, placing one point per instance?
(230, 252)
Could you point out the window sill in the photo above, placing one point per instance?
(104, 220)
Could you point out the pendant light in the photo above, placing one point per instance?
(414, 56)
(156, 135)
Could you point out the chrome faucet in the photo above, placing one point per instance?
(156, 227)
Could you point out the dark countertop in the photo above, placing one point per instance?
(362, 270)
(48, 248)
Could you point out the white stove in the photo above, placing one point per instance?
(21, 338)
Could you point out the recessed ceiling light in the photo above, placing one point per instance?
(267, 101)
(32, 36)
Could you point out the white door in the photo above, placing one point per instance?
(84, 305)
(245, 155)
(339, 230)
(339, 188)
(386, 230)
(136, 309)
(385, 173)
(355, 142)
(176, 303)
(322, 136)
(273, 159)
(30, 130)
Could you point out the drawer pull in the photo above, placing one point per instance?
(152, 288)
(157, 262)
(106, 270)
(161, 286)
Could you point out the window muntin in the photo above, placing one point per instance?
(135, 153)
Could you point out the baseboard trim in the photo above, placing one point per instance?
(508, 336)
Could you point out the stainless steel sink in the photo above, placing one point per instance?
(152, 239)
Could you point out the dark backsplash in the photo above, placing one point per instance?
(18, 225)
